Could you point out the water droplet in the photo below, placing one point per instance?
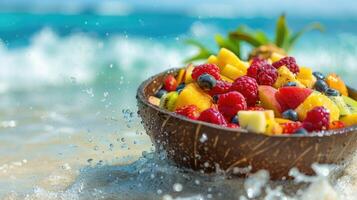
(90, 160)
(203, 138)
(177, 187)
(111, 66)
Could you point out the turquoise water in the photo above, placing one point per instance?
(68, 111)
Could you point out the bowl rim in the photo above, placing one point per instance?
(143, 99)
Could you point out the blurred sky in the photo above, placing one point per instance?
(222, 8)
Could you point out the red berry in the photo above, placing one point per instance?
(232, 125)
(291, 127)
(337, 125)
(267, 75)
(210, 69)
(289, 62)
(190, 111)
(248, 87)
(230, 103)
(212, 116)
(170, 83)
(317, 119)
(221, 87)
(292, 97)
(255, 66)
(256, 108)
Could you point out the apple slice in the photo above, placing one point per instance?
(292, 97)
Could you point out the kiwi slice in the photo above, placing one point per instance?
(341, 104)
(351, 104)
(168, 101)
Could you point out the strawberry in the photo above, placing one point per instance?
(292, 97)
(190, 111)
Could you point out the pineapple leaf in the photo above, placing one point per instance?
(247, 37)
(296, 36)
(262, 37)
(233, 45)
(203, 52)
(282, 32)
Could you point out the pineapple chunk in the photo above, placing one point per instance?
(306, 77)
(273, 128)
(254, 121)
(180, 76)
(318, 99)
(227, 57)
(188, 74)
(193, 95)
(285, 76)
(224, 78)
(232, 72)
(213, 60)
(350, 120)
(276, 57)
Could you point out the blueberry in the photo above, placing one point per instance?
(206, 81)
(180, 87)
(332, 92)
(215, 98)
(319, 75)
(290, 84)
(321, 86)
(301, 131)
(290, 115)
(160, 93)
(235, 119)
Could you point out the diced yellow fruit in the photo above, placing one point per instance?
(253, 121)
(306, 77)
(193, 95)
(213, 60)
(273, 128)
(180, 75)
(188, 74)
(276, 57)
(224, 78)
(246, 64)
(318, 99)
(335, 82)
(285, 76)
(269, 114)
(282, 121)
(154, 100)
(227, 57)
(232, 72)
(350, 120)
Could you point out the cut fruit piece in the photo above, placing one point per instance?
(292, 97)
(227, 57)
(254, 121)
(351, 104)
(285, 76)
(273, 128)
(169, 100)
(341, 104)
(224, 78)
(282, 121)
(335, 82)
(317, 99)
(268, 100)
(275, 57)
(269, 114)
(188, 74)
(213, 60)
(180, 76)
(350, 120)
(154, 100)
(232, 72)
(193, 95)
(306, 77)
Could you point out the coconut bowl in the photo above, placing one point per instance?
(207, 147)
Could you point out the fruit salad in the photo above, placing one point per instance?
(270, 96)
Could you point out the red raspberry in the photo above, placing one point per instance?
(291, 127)
(248, 87)
(317, 119)
(220, 88)
(337, 125)
(230, 103)
(232, 125)
(289, 62)
(212, 116)
(255, 66)
(256, 108)
(210, 69)
(190, 111)
(170, 83)
(267, 75)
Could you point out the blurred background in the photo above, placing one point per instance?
(69, 71)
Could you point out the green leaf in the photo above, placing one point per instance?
(232, 45)
(249, 38)
(296, 36)
(203, 52)
(262, 37)
(281, 32)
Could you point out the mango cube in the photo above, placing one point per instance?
(350, 120)
(188, 74)
(193, 95)
(285, 76)
(227, 57)
(212, 60)
(306, 77)
(232, 72)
